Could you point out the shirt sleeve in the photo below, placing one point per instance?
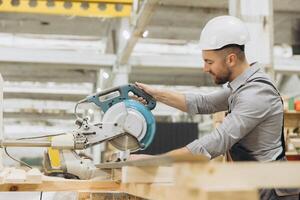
(244, 117)
(209, 103)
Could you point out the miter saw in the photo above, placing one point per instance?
(127, 124)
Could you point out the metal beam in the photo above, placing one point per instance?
(260, 26)
(171, 76)
(168, 60)
(19, 65)
(43, 96)
(38, 116)
(52, 25)
(48, 75)
(86, 8)
(287, 65)
(174, 32)
(192, 3)
(136, 31)
(10, 54)
(279, 5)
(18, 59)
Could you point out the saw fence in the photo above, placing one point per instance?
(167, 177)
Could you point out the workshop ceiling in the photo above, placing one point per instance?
(174, 22)
(173, 19)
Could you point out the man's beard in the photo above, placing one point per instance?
(220, 80)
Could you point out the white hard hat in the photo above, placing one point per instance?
(223, 30)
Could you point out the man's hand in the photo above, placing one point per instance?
(170, 98)
(148, 89)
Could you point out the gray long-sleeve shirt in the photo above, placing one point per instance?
(253, 125)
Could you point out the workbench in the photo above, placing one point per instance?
(175, 177)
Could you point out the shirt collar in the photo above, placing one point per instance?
(242, 78)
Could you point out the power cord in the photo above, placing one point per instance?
(43, 136)
(19, 161)
(75, 110)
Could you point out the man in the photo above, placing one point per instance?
(252, 129)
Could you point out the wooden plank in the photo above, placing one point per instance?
(84, 196)
(16, 176)
(148, 191)
(4, 172)
(147, 174)
(164, 160)
(113, 196)
(214, 194)
(34, 176)
(230, 194)
(62, 185)
(116, 175)
(236, 175)
(168, 191)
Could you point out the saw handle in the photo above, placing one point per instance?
(151, 102)
(123, 90)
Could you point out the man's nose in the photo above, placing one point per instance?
(206, 69)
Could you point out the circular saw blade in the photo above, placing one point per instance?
(125, 142)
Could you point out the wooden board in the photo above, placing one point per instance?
(34, 176)
(60, 184)
(161, 174)
(180, 177)
(113, 196)
(168, 191)
(16, 176)
(239, 174)
(148, 191)
(164, 160)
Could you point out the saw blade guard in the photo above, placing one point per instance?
(137, 125)
(150, 121)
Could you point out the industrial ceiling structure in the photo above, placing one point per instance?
(51, 61)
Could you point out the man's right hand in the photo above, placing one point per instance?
(170, 98)
(148, 89)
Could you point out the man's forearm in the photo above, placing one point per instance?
(173, 99)
(181, 151)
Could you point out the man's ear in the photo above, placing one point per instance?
(231, 59)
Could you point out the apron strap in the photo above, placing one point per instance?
(282, 154)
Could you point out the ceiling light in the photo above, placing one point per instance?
(126, 34)
(105, 75)
(145, 33)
